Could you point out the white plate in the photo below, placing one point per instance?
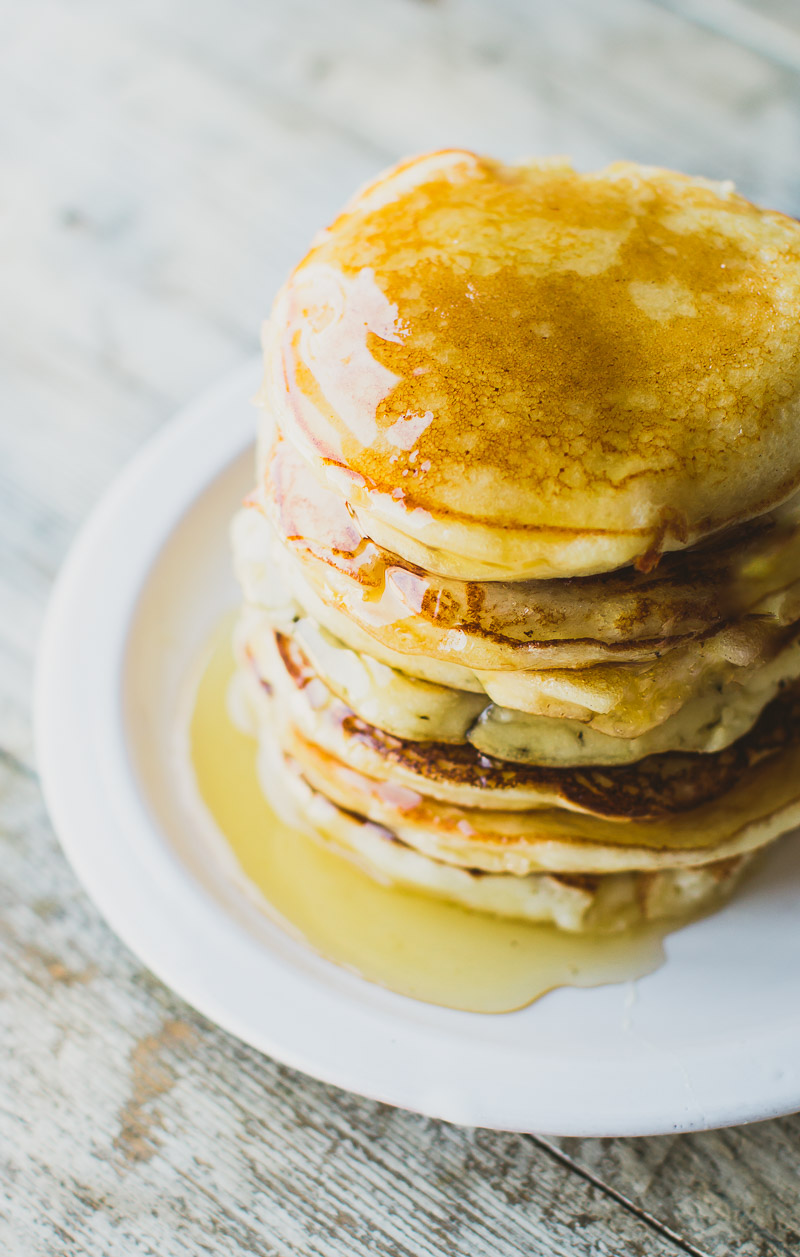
(713, 1038)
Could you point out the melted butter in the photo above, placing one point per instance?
(417, 946)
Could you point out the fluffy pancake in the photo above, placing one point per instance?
(765, 804)
(392, 700)
(657, 786)
(521, 371)
(420, 711)
(579, 903)
(625, 615)
(522, 569)
(623, 700)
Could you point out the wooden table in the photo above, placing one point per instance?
(164, 161)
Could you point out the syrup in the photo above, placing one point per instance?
(415, 945)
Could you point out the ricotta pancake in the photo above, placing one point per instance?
(493, 625)
(521, 568)
(754, 813)
(528, 372)
(758, 808)
(580, 903)
(624, 700)
(420, 711)
(658, 785)
(486, 653)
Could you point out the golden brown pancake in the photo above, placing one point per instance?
(760, 807)
(579, 903)
(625, 615)
(656, 786)
(523, 371)
(522, 567)
(623, 700)
(421, 712)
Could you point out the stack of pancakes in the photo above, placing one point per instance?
(522, 568)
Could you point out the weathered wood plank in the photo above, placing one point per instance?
(712, 1187)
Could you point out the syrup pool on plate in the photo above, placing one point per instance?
(411, 943)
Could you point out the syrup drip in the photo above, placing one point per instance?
(418, 946)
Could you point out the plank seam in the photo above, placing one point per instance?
(655, 1224)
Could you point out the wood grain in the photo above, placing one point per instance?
(164, 163)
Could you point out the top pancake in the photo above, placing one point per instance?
(521, 371)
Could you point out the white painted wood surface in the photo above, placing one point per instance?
(163, 162)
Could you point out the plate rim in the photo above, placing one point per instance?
(77, 814)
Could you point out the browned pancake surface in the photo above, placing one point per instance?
(626, 614)
(528, 347)
(657, 786)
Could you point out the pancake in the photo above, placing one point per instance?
(629, 700)
(420, 711)
(657, 786)
(392, 700)
(521, 568)
(525, 372)
(614, 617)
(624, 696)
(605, 903)
(757, 810)
(704, 724)
(623, 700)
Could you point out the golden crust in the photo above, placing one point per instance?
(545, 373)
(656, 786)
(611, 617)
(754, 812)
(420, 712)
(624, 700)
(594, 903)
